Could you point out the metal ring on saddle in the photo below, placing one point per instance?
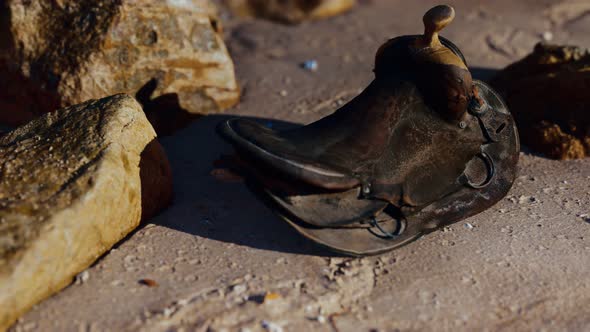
(477, 109)
(386, 234)
(491, 171)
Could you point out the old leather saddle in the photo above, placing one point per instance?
(421, 147)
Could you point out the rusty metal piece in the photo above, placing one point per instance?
(421, 147)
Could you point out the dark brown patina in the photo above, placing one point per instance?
(421, 147)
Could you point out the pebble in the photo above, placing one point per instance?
(468, 226)
(148, 282)
(526, 199)
(271, 327)
(82, 277)
(239, 289)
(117, 283)
(270, 296)
(547, 36)
(129, 259)
(190, 278)
(31, 326)
(311, 65)
(283, 93)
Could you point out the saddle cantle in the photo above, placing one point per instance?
(421, 147)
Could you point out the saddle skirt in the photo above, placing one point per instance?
(421, 147)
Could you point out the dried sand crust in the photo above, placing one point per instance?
(71, 188)
(546, 91)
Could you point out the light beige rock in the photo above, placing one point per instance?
(60, 53)
(71, 188)
(290, 11)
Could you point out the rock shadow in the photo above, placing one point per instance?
(164, 112)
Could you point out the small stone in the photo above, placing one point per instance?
(30, 326)
(311, 65)
(271, 327)
(117, 283)
(468, 226)
(168, 312)
(270, 296)
(506, 230)
(283, 93)
(547, 36)
(129, 259)
(148, 282)
(321, 319)
(526, 199)
(239, 289)
(82, 277)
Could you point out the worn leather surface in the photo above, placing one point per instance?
(422, 138)
(460, 204)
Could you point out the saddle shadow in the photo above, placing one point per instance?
(225, 211)
(483, 74)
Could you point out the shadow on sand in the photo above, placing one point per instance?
(219, 210)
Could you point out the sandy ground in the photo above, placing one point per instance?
(525, 264)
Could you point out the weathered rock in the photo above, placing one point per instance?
(547, 92)
(290, 11)
(59, 53)
(73, 183)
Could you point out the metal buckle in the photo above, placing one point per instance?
(489, 162)
(385, 234)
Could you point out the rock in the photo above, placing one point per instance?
(170, 54)
(546, 91)
(290, 11)
(71, 188)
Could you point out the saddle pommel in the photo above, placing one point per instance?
(436, 19)
(429, 45)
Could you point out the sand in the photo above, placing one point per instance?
(215, 253)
